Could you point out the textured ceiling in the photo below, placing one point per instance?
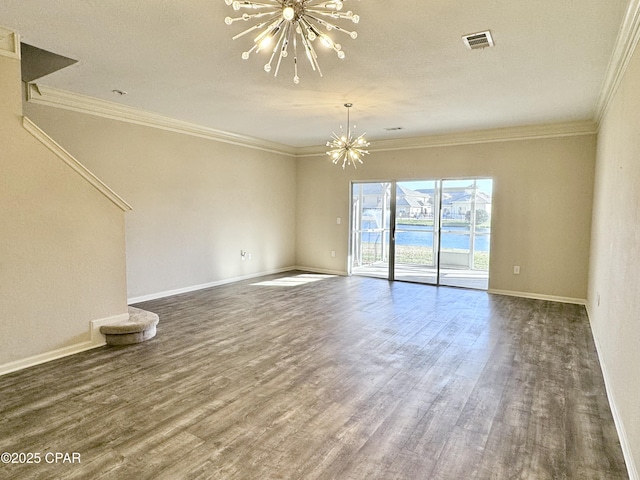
(408, 67)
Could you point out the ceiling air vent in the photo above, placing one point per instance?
(478, 40)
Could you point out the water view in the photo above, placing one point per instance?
(419, 236)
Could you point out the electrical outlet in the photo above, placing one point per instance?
(516, 270)
(338, 220)
(333, 253)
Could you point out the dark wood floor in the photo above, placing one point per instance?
(339, 378)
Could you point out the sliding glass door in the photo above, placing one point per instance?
(416, 232)
(465, 231)
(427, 231)
(370, 229)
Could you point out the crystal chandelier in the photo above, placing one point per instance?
(285, 26)
(346, 148)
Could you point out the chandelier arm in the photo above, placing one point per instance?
(331, 26)
(315, 58)
(307, 40)
(361, 141)
(309, 51)
(328, 41)
(249, 30)
(281, 29)
(247, 16)
(339, 155)
(283, 48)
(268, 32)
(296, 79)
(267, 66)
(346, 15)
(310, 28)
(312, 32)
(324, 3)
(253, 5)
(245, 55)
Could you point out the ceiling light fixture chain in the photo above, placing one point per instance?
(284, 24)
(347, 148)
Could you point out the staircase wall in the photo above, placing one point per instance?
(62, 244)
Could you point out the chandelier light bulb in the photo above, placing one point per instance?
(288, 13)
(266, 42)
(290, 26)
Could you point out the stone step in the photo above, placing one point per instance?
(140, 326)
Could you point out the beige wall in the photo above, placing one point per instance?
(62, 258)
(541, 211)
(196, 202)
(614, 281)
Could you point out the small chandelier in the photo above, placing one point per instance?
(346, 148)
(284, 25)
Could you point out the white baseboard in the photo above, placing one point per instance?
(617, 420)
(539, 296)
(322, 270)
(45, 357)
(194, 288)
(97, 340)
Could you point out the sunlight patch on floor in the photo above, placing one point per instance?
(294, 281)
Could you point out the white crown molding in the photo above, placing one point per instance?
(72, 101)
(65, 156)
(628, 38)
(53, 97)
(529, 132)
(9, 43)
